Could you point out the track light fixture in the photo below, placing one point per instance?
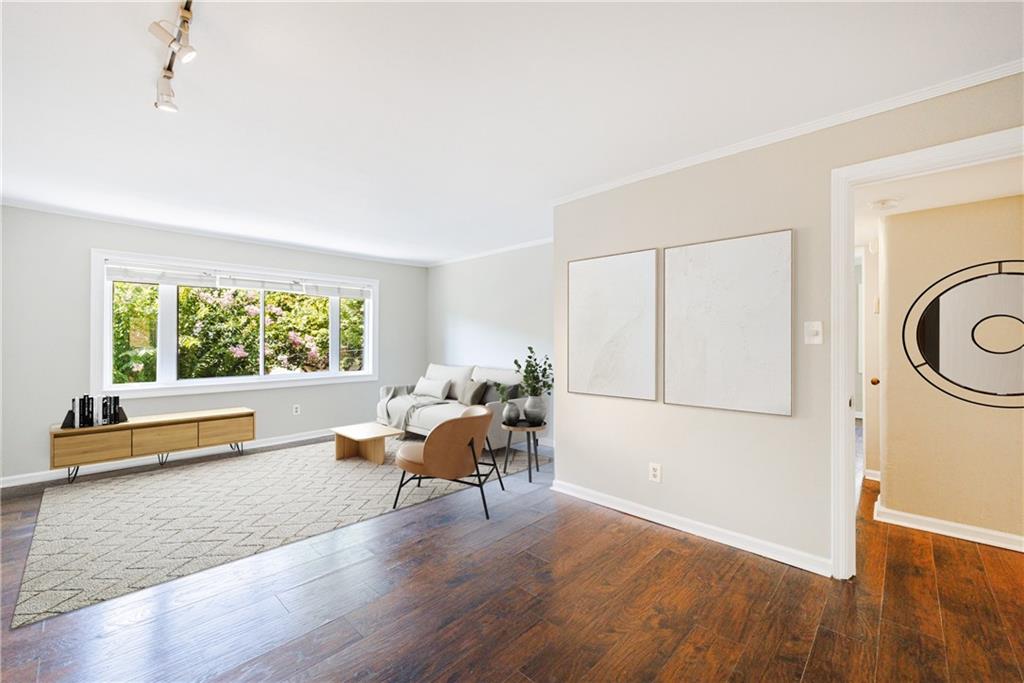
(178, 40)
(164, 93)
(164, 31)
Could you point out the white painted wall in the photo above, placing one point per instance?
(487, 310)
(45, 333)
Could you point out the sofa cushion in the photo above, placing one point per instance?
(437, 388)
(473, 393)
(457, 374)
(428, 417)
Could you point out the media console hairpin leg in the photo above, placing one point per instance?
(162, 458)
(236, 447)
(72, 473)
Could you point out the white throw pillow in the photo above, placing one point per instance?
(437, 388)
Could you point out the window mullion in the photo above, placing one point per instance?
(263, 328)
(167, 335)
(334, 321)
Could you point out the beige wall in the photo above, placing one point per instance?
(760, 475)
(46, 265)
(943, 457)
(872, 455)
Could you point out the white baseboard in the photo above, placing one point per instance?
(978, 534)
(873, 475)
(774, 551)
(859, 414)
(52, 475)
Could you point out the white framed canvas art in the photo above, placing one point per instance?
(611, 332)
(728, 324)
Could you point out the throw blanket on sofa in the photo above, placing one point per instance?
(397, 405)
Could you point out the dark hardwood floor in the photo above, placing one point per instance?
(550, 589)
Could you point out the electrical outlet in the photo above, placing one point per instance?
(296, 409)
(654, 472)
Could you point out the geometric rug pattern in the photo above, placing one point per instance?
(97, 540)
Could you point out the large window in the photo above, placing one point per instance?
(173, 326)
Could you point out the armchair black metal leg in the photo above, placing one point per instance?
(399, 491)
(529, 465)
(508, 450)
(483, 497)
(494, 461)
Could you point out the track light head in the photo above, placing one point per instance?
(165, 94)
(186, 53)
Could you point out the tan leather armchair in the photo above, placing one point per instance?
(451, 451)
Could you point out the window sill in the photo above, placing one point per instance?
(186, 388)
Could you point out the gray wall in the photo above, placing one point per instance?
(763, 476)
(487, 310)
(45, 344)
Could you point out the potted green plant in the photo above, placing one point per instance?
(510, 413)
(538, 379)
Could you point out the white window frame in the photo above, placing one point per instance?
(167, 384)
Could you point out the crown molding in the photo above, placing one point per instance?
(495, 252)
(201, 232)
(913, 97)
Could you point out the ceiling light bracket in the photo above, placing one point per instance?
(175, 35)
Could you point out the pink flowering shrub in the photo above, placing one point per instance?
(218, 332)
(296, 332)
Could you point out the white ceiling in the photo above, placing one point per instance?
(976, 183)
(427, 132)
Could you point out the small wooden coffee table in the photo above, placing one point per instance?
(365, 440)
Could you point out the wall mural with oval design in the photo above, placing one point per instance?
(965, 334)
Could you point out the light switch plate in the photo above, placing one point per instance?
(813, 332)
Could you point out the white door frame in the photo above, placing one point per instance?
(978, 150)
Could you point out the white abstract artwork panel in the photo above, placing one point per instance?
(728, 324)
(612, 309)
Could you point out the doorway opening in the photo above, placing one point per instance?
(864, 196)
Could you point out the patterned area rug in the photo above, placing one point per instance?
(97, 540)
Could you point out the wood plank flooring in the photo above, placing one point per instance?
(550, 589)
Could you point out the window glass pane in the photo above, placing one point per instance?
(352, 321)
(296, 333)
(134, 334)
(218, 332)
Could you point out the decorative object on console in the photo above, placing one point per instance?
(69, 417)
(728, 324)
(82, 413)
(538, 379)
(85, 407)
(612, 322)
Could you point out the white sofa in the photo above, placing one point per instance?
(426, 418)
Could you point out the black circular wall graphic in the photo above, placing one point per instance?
(964, 334)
